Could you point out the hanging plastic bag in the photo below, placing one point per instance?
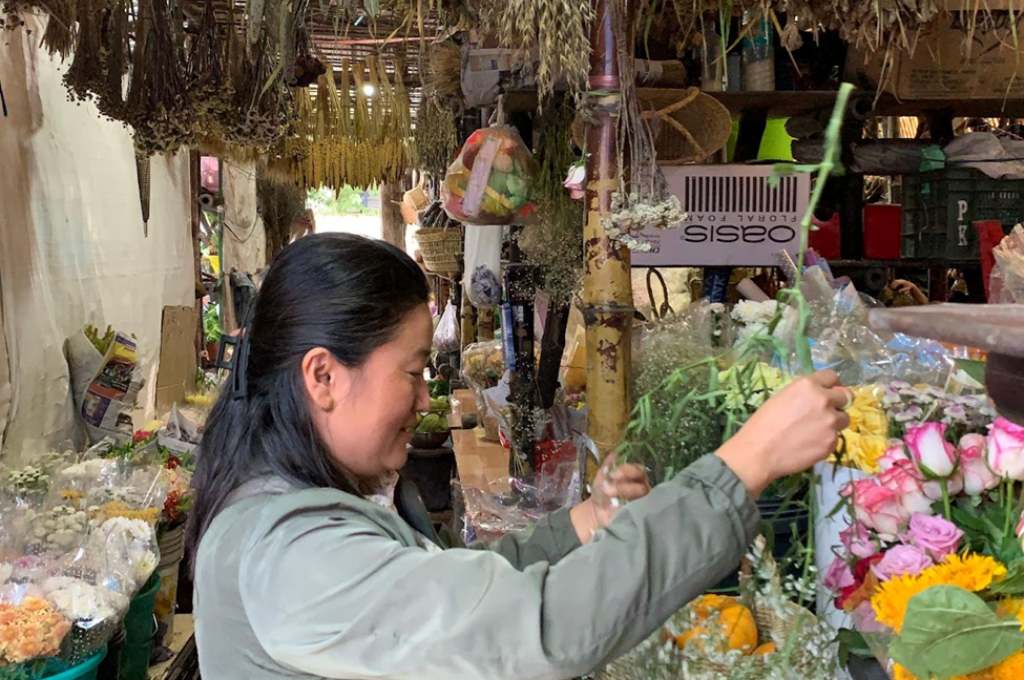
(490, 181)
(446, 335)
(482, 280)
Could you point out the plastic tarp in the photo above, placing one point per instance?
(72, 246)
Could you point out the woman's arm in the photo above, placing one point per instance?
(559, 533)
(332, 595)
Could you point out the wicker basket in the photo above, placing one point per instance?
(441, 249)
(688, 126)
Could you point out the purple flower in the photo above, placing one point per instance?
(901, 560)
(935, 536)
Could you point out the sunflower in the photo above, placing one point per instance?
(892, 598)
(973, 573)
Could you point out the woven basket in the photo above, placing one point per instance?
(441, 249)
(688, 126)
(770, 625)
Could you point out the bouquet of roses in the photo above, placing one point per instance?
(931, 565)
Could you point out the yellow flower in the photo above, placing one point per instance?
(1011, 668)
(867, 436)
(901, 673)
(973, 573)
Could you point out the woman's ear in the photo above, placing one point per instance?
(326, 379)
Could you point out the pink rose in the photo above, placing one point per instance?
(838, 576)
(933, 454)
(901, 560)
(936, 536)
(878, 507)
(575, 180)
(903, 478)
(1006, 449)
(858, 541)
(954, 485)
(978, 476)
(896, 452)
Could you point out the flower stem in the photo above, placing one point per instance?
(1008, 505)
(944, 483)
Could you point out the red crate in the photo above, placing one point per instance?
(883, 224)
(825, 238)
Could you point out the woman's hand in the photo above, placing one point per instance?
(613, 487)
(794, 429)
(904, 286)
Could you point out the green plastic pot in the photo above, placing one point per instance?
(140, 628)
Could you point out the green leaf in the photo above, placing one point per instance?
(852, 643)
(1012, 584)
(973, 368)
(949, 631)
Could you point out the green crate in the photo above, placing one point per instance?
(939, 208)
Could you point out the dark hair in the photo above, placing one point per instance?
(344, 293)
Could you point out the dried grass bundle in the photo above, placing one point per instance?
(356, 132)
(557, 30)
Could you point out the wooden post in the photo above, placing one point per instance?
(607, 291)
(391, 221)
(484, 324)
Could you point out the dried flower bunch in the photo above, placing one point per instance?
(558, 31)
(554, 241)
(436, 138)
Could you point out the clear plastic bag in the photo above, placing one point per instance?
(483, 364)
(491, 180)
(1008, 275)
(446, 334)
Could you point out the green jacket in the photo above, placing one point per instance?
(318, 583)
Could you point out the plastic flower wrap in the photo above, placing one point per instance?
(483, 364)
(123, 553)
(491, 179)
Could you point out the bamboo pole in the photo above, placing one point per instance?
(607, 291)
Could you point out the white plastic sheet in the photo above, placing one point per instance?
(72, 248)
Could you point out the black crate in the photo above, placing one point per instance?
(939, 207)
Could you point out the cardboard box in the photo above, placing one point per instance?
(176, 375)
(941, 68)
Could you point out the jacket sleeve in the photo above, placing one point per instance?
(551, 539)
(336, 597)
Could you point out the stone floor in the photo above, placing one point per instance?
(183, 629)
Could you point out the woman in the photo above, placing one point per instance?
(300, 574)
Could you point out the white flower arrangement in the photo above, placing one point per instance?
(31, 480)
(59, 528)
(82, 601)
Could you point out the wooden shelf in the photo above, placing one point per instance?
(909, 263)
(787, 104)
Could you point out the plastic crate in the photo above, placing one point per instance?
(939, 208)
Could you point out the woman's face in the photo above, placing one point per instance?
(374, 407)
